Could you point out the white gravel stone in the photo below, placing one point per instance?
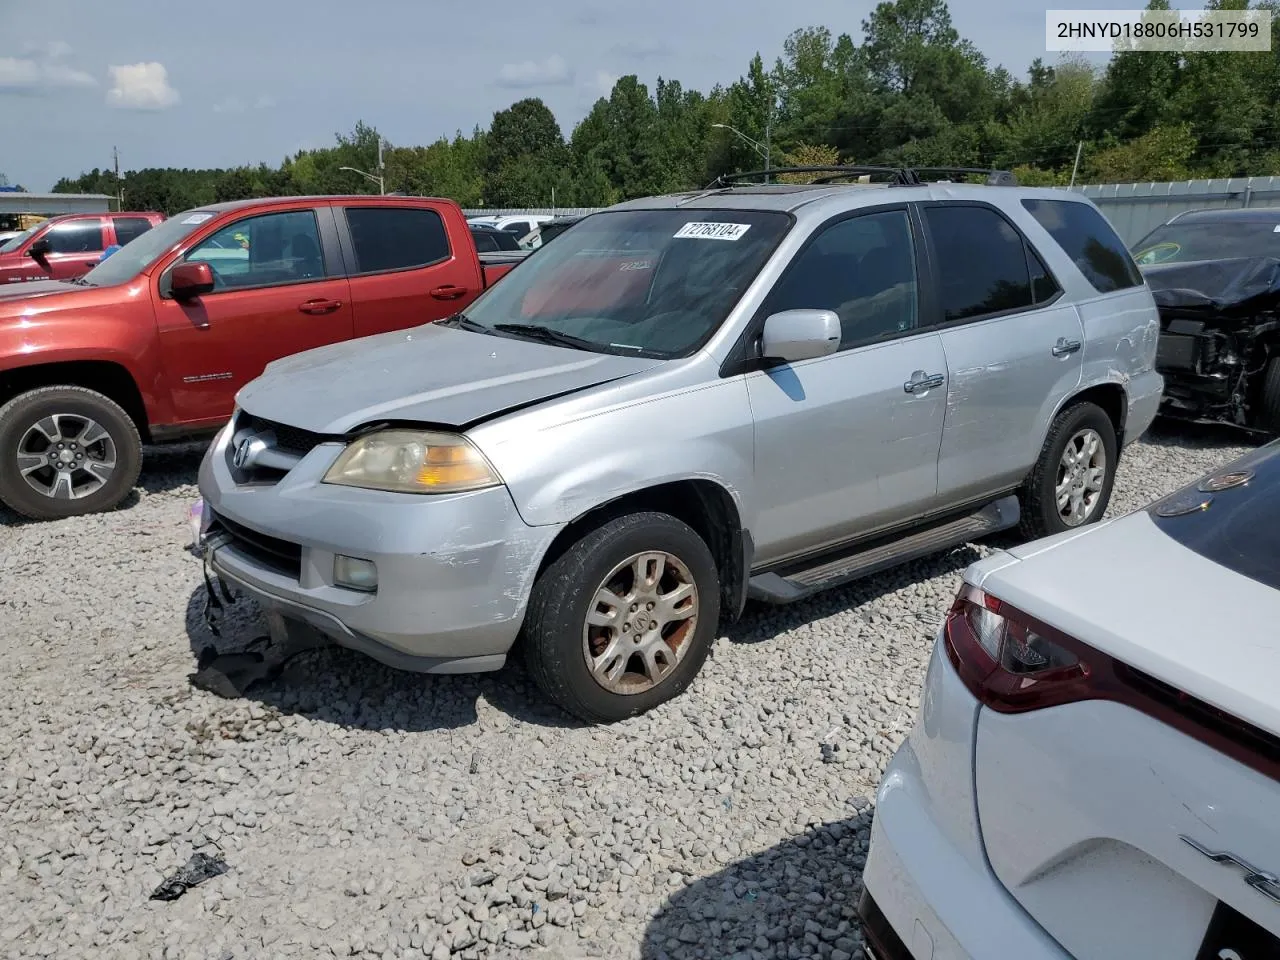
(368, 813)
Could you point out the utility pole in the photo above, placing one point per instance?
(382, 183)
(1076, 167)
(115, 156)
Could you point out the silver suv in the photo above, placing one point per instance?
(754, 390)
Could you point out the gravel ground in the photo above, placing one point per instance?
(368, 813)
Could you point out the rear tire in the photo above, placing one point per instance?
(598, 658)
(1269, 410)
(1070, 485)
(66, 451)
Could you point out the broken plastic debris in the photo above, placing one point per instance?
(197, 870)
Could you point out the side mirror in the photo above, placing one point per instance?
(800, 335)
(190, 280)
(39, 249)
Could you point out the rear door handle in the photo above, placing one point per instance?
(921, 381)
(1065, 346)
(449, 292)
(319, 306)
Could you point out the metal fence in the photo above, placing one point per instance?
(1135, 209)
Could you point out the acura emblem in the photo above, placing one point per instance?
(247, 452)
(1265, 883)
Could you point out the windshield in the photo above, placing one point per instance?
(139, 253)
(13, 244)
(652, 283)
(1209, 240)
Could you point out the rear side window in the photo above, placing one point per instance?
(982, 262)
(130, 228)
(392, 238)
(485, 243)
(76, 236)
(1093, 246)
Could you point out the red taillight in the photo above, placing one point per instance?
(1014, 663)
(1010, 662)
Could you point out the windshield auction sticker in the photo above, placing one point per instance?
(713, 231)
(1181, 31)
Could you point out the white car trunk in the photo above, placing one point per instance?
(1100, 818)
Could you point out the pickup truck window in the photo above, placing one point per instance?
(395, 238)
(76, 236)
(981, 262)
(864, 269)
(130, 228)
(127, 262)
(652, 283)
(262, 251)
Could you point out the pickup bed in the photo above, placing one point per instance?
(153, 343)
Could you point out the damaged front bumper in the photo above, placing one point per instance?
(1220, 328)
(453, 572)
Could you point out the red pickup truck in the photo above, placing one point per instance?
(154, 342)
(65, 247)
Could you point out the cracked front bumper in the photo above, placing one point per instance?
(453, 571)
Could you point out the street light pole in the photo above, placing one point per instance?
(369, 176)
(763, 150)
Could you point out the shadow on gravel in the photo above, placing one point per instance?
(1205, 436)
(335, 685)
(784, 902)
(762, 622)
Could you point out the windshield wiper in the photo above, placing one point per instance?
(462, 321)
(534, 332)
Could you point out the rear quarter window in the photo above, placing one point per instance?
(1089, 240)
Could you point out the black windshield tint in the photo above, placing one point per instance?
(1225, 239)
(641, 282)
(1240, 527)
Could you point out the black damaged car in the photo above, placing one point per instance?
(1215, 276)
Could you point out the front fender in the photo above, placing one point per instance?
(559, 472)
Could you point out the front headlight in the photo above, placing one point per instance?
(413, 461)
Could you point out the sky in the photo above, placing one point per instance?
(235, 82)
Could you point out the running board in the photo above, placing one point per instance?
(798, 581)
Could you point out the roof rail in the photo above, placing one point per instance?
(899, 176)
(837, 171)
(995, 178)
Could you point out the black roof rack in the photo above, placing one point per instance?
(899, 176)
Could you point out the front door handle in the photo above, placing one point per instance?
(449, 292)
(1065, 346)
(320, 306)
(921, 381)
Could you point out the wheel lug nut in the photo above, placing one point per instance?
(635, 607)
(626, 627)
(650, 606)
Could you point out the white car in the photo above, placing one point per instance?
(1093, 773)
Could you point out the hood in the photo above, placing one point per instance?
(431, 374)
(1233, 287)
(37, 288)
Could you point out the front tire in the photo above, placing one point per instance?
(66, 451)
(1070, 485)
(623, 620)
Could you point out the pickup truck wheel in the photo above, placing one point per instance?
(66, 451)
(1070, 485)
(623, 620)
(1269, 414)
